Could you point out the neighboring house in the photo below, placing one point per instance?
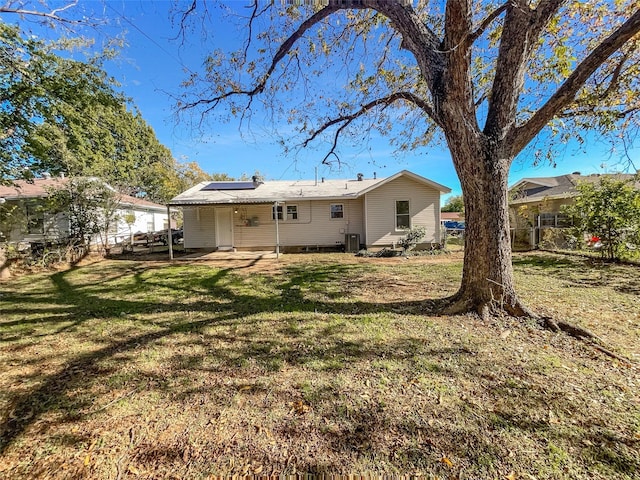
(536, 203)
(35, 225)
(303, 214)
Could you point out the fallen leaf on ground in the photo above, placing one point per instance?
(447, 462)
(299, 407)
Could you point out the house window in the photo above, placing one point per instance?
(402, 215)
(292, 212)
(35, 218)
(279, 210)
(150, 226)
(555, 220)
(337, 210)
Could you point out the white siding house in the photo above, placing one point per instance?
(36, 226)
(373, 212)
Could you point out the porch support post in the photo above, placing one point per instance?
(275, 210)
(169, 235)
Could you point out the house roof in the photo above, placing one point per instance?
(446, 216)
(39, 187)
(564, 186)
(206, 193)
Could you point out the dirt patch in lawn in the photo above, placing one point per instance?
(314, 364)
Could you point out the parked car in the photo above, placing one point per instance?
(453, 227)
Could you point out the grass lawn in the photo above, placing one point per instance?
(315, 364)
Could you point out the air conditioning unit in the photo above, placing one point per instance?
(352, 242)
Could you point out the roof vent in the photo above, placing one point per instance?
(375, 175)
(575, 173)
(256, 180)
(360, 177)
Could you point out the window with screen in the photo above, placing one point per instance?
(402, 215)
(337, 210)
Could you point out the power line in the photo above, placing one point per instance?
(148, 37)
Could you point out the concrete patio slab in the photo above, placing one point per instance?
(228, 255)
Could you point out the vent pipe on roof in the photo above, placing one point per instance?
(316, 176)
(322, 179)
(360, 177)
(375, 175)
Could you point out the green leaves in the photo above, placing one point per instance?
(89, 205)
(609, 210)
(64, 116)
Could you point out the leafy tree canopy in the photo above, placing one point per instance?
(38, 88)
(454, 204)
(60, 116)
(89, 205)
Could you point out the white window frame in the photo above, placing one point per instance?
(397, 215)
(34, 213)
(293, 215)
(280, 209)
(331, 211)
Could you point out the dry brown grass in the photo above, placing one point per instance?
(314, 364)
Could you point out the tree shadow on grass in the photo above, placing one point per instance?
(74, 304)
(583, 272)
(228, 299)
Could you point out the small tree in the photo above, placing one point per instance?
(609, 210)
(454, 204)
(412, 238)
(90, 206)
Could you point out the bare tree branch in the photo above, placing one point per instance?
(615, 76)
(185, 14)
(423, 43)
(51, 15)
(522, 135)
(254, 14)
(346, 120)
(284, 49)
(593, 110)
(477, 33)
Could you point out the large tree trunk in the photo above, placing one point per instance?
(487, 280)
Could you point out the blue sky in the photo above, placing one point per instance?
(153, 64)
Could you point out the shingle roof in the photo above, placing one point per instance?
(205, 193)
(456, 216)
(563, 186)
(22, 189)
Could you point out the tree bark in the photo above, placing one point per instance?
(488, 284)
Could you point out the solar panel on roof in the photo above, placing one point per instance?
(230, 186)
